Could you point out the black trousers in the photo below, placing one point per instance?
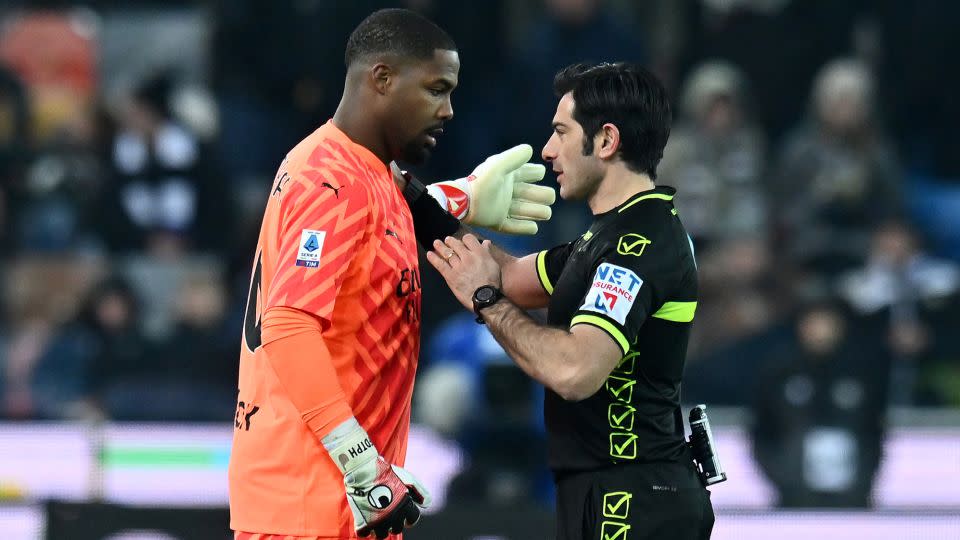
(648, 501)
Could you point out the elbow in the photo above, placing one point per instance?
(576, 385)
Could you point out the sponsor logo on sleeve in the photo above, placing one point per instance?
(613, 292)
(311, 245)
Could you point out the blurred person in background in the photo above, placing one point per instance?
(122, 360)
(65, 190)
(770, 41)
(166, 196)
(716, 157)
(819, 411)
(62, 81)
(913, 299)
(837, 176)
(41, 297)
(198, 358)
(742, 307)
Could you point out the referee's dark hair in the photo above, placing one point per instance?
(396, 31)
(627, 96)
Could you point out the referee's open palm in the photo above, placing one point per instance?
(466, 266)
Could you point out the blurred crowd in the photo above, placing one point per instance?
(813, 149)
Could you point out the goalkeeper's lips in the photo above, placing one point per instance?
(432, 136)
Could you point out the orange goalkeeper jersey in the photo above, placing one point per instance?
(336, 242)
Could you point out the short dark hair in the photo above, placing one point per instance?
(396, 31)
(627, 96)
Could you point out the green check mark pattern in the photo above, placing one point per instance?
(620, 412)
(616, 513)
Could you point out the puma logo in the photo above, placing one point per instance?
(388, 232)
(336, 190)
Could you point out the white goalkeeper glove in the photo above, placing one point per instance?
(500, 193)
(384, 498)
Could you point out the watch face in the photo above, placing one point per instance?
(485, 294)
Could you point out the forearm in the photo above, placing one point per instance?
(298, 355)
(548, 355)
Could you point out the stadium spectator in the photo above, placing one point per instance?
(837, 176)
(914, 300)
(716, 157)
(166, 198)
(819, 412)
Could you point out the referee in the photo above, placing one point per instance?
(620, 302)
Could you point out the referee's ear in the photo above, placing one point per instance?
(607, 140)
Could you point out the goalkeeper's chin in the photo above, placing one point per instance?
(418, 152)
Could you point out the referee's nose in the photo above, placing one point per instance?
(549, 152)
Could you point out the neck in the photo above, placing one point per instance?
(618, 185)
(359, 125)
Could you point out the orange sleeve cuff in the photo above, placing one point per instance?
(294, 347)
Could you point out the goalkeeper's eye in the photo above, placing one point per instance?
(437, 92)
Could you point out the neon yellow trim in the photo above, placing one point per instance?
(587, 235)
(673, 211)
(542, 272)
(660, 196)
(605, 325)
(677, 311)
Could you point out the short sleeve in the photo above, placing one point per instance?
(550, 263)
(321, 231)
(630, 281)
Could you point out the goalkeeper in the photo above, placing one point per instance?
(331, 330)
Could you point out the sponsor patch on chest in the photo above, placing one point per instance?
(613, 292)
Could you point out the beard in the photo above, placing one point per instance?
(415, 153)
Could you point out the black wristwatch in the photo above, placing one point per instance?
(485, 297)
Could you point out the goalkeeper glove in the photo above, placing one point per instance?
(384, 498)
(499, 194)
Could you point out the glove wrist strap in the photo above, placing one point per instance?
(414, 188)
(349, 446)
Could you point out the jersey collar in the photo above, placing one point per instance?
(660, 193)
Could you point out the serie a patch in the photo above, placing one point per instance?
(311, 245)
(613, 292)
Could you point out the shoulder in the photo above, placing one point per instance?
(641, 226)
(647, 237)
(323, 167)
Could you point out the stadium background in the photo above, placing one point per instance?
(818, 161)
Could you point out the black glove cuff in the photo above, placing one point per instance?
(430, 221)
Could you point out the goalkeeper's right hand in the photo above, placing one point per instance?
(384, 498)
(500, 194)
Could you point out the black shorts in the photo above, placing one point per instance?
(646, 501)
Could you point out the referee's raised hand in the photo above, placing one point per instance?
(465, 265)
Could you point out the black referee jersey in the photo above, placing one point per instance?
(633, 275)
